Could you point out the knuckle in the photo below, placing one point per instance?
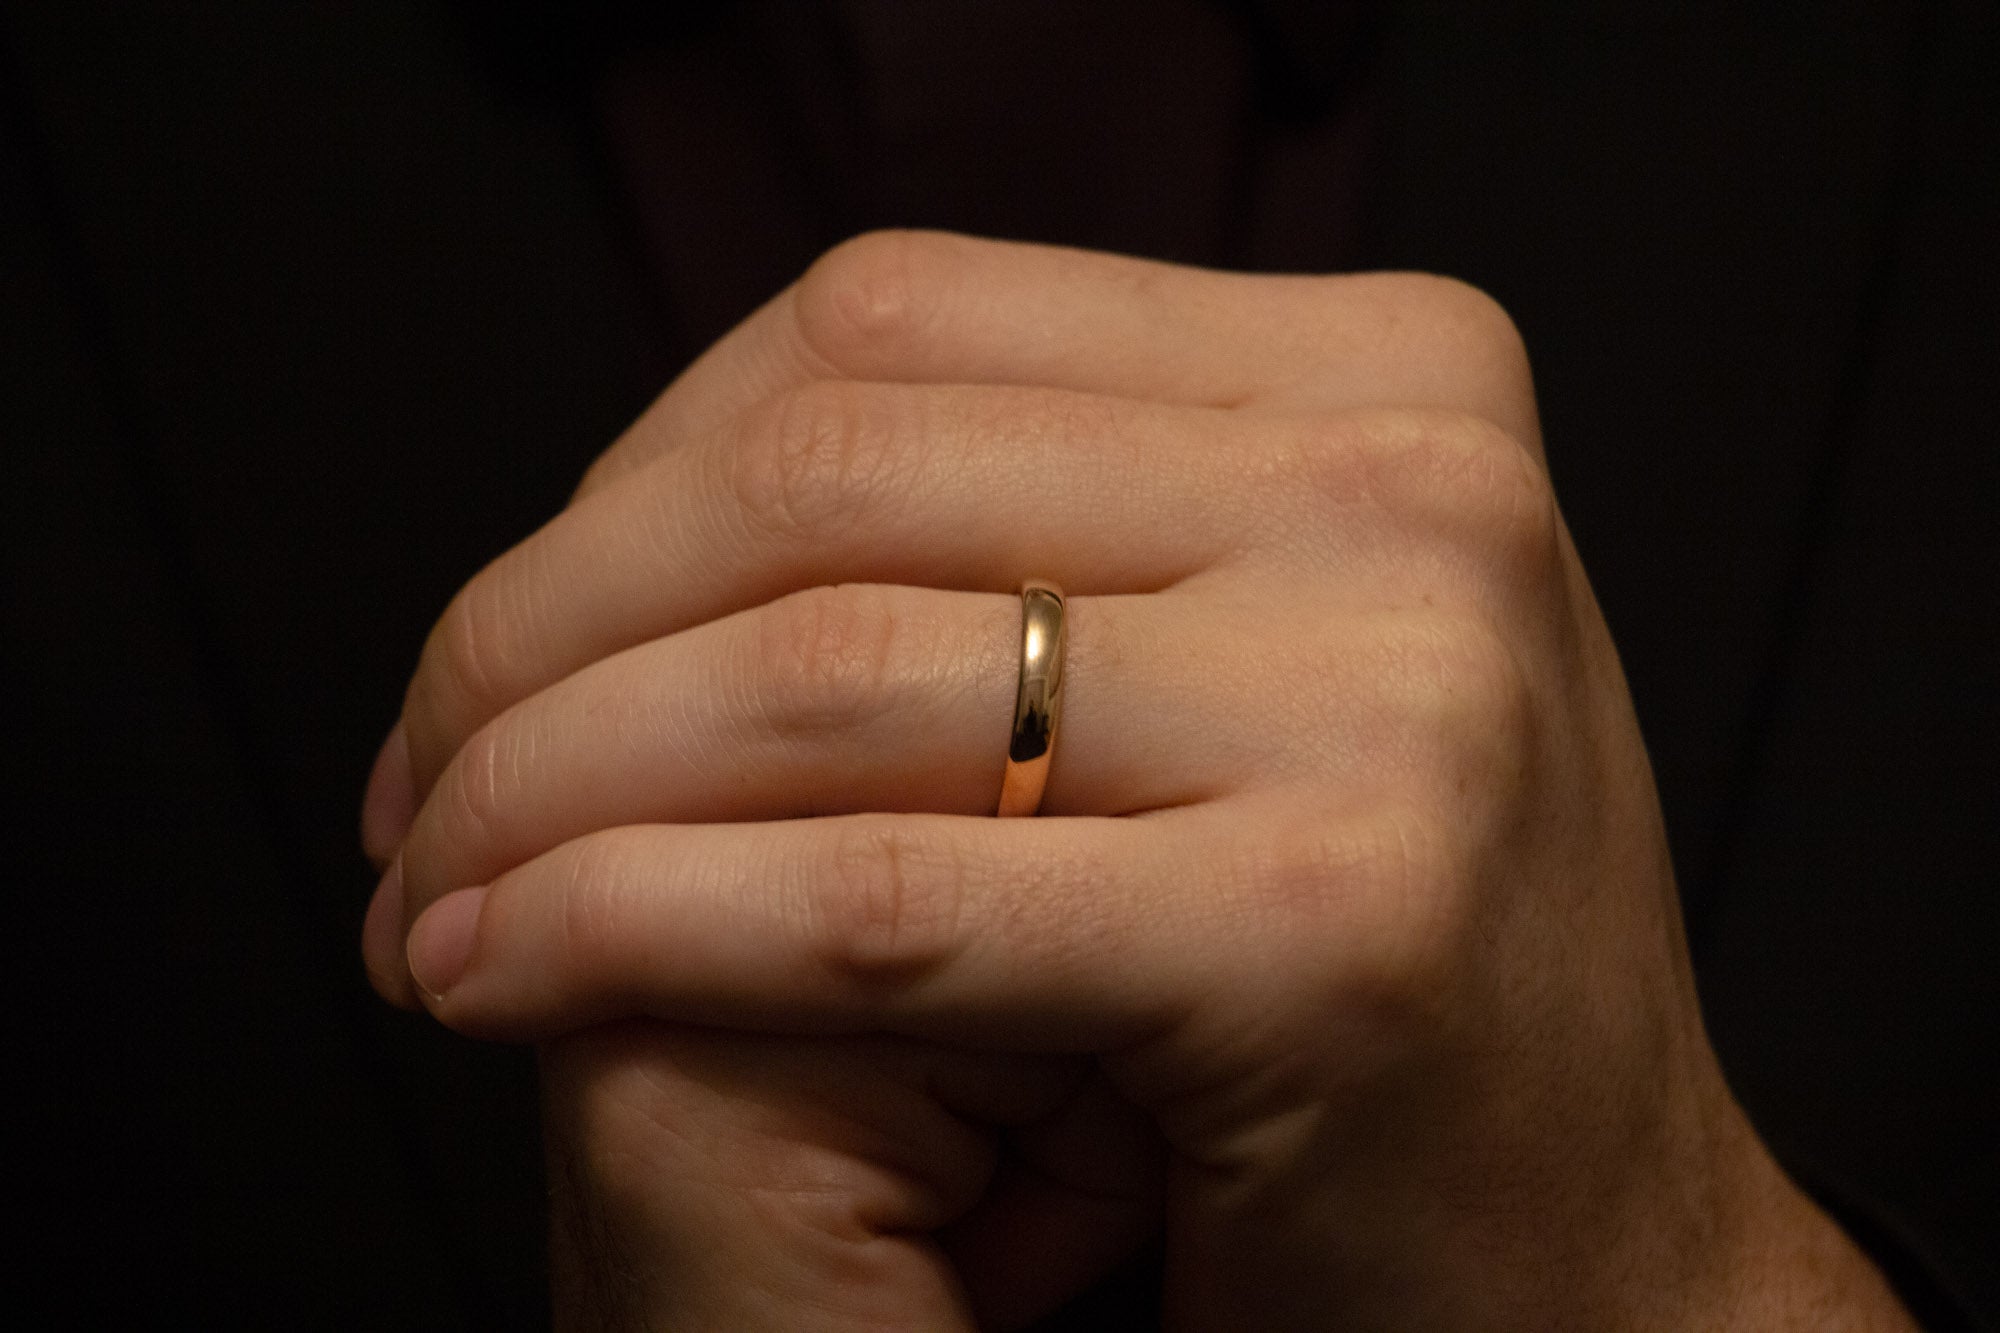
(1469, 688)
(1321, 859)
(1481, 481)
(1453, 323)
(813, 459)
(1466, 320)
(1470, 312)
(886, 912)
(1437, 704)
(864, 305)
(1407, 903)
(1458, 473)
(1418, 899)
(1510, 499)
(1328, 463)
(1399, 896)
(825, 659)
(1308, 868)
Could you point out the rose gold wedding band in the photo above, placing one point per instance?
(1038, 701)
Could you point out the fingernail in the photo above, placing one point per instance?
(390, 803)
(381, 939)
(441, 941)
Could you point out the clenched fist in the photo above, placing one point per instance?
(1345, 949)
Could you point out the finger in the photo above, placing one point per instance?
(383, 930)
(774, 1182)
(932, 307)
(877, 698)
(960, 488)
(1050, 935)
(390, 801)
(1074, 1195)
(971, 488)
(850, 699)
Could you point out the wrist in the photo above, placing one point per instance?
(1779, 1262)
(1708, 1232)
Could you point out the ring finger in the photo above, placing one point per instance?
(841, 700)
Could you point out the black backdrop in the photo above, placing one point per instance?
(309, 310)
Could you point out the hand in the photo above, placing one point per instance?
(1349, 906)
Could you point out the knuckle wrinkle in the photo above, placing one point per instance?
(826, 660)
(888, 911)
(812, 461)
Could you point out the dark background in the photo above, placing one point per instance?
(311, 309)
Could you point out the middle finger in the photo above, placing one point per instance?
(971, 488)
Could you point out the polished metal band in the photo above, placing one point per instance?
(1038, 702)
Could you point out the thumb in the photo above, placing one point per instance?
(725, 1180)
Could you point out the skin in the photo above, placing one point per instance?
(1345, 950)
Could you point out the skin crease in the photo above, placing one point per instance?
(1345, 951)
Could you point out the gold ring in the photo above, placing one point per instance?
(1038, 701)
